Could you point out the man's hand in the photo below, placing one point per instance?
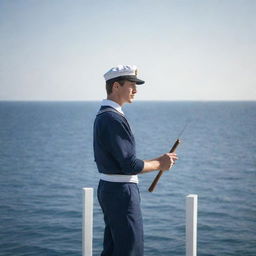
(163, 163)
(167, 161)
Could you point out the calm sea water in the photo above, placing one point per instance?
(46, 159)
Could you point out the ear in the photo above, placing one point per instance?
(115, 85)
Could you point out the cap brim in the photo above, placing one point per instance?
(136, 80)
(128, 78)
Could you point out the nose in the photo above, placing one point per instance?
(134, 89)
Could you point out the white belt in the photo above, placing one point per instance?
(119, 178)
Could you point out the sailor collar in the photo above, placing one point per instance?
(112, 104)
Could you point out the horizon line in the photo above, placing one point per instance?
(151, 100)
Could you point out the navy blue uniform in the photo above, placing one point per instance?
(114, 144)
(114, 151)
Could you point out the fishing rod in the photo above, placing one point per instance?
(175, 145)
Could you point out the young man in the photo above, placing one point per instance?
(115, 156)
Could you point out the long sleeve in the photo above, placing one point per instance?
(122, 147)
(117, 147)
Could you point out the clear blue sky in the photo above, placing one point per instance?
(184, 49)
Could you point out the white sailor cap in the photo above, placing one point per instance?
(120, 72)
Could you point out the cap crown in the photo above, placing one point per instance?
(121, 70)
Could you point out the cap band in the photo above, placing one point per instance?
(128, 78)
(123, 72)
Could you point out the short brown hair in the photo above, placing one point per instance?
(109, 84)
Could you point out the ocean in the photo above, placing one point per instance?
(46, 158)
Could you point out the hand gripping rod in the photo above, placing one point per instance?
(175, 145)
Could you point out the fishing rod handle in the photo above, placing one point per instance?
(155, 181)
(175, 145)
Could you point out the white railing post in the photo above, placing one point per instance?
(87, 222)
(191, 225)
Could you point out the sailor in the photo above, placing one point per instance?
(116, 160)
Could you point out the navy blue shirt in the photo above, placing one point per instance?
(114, 144)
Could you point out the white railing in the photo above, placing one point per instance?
(191, 223)
(87, 235)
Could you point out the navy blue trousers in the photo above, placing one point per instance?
(120, 203)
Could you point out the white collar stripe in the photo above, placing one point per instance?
(112, 104)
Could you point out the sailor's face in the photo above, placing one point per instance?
(128, 91)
